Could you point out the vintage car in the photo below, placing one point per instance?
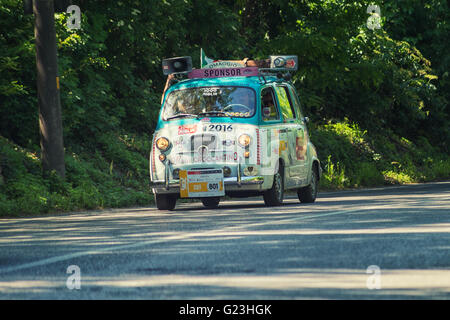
(236, 131)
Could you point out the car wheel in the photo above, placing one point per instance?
(165, 201)
(274, 196)
(308, 194)
(211, 203)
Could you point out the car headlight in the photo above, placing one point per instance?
(244, 140)
(162, 144)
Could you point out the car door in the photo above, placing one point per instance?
(270, 133)
(302, 135)
(296, 136)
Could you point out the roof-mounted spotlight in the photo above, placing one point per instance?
(287, 63)
(177, 65)
(278, 62)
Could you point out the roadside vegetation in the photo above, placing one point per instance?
(377, 99)
(353, 159)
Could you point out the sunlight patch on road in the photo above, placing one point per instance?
(401, 279)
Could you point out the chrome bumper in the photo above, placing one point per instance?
(231, 184)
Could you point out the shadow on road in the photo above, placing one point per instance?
(243, 251)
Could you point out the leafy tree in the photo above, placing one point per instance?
(392, 84)
(18, 102)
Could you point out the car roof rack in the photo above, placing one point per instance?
(280, 66)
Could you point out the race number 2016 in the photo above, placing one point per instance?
(218, 127)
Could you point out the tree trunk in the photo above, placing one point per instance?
(50, 121)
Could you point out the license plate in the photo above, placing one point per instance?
(201, 183)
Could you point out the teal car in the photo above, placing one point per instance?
(238, 132)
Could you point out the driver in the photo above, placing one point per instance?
(179, 106)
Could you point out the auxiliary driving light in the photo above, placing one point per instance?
(244, 140)
(250, 171)
(226, 171)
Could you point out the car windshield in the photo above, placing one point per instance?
(210, 101)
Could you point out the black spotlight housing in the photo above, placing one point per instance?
(177, 65)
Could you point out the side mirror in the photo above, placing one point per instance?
(305, 120)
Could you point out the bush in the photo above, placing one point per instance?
(352, 158)
(91, 181)
(367, 175)
(378, 105)
(333, 176)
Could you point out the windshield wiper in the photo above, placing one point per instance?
(213, 113)
(181, 115)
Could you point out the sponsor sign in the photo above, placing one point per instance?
(283, 145)
(187, 129)
(223, 72)
(224, 64)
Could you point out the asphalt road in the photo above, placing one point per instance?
(388, 243)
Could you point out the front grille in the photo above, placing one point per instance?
(206, 139)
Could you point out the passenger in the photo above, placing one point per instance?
(179, 106)
(268, 103)
(268, 100)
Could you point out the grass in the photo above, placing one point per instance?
(114, 176)
(353, 159)
(114, 172)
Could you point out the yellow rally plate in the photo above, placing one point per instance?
(201, 183)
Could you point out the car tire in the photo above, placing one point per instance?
(308, 194)
(274, 196)
(211, 203)
(165, 201)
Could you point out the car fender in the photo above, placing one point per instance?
(312, 159)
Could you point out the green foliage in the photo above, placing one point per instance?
(378, 99)
(351, 159)
(368, 175)
(354, 159)
(18, 101)
(90, 183)
(333, 176)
